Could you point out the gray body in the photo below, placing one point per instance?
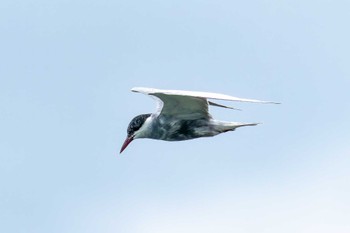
(170, 128)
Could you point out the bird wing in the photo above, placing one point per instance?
(206, 95)
(182, 106)
(188, 104)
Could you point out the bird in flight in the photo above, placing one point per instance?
(181, 115)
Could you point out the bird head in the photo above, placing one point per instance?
(135, 129)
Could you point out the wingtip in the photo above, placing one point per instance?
(134, 89)
(223, 106)
(271, 102)
(144, 90)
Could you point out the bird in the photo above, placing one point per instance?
(181, 115)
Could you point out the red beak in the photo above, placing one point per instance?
(126, 143)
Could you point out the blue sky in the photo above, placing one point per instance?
(66, 70)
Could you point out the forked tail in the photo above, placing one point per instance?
(224, 126)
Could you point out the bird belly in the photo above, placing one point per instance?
(179, 130)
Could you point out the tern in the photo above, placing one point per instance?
(181, 115)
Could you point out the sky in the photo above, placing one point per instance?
(66, 70)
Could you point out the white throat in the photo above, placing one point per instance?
(145, 129)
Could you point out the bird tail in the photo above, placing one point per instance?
(224, 126)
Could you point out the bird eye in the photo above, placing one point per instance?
(136, 123)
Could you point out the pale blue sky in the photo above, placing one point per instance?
(66, 69)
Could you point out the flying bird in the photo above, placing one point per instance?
(181, 115)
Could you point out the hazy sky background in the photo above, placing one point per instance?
(66, 69)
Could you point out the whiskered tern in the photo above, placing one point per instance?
(181, 115)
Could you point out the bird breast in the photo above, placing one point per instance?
(173, 129)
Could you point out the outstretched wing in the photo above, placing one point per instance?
(206, 95)
(181, 106)
(188, 104)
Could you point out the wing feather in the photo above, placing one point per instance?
(206, 95)
(222, 106)
(188, 104)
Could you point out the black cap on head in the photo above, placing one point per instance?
(136, 123)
